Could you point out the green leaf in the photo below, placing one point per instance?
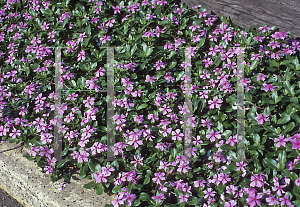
(27, 71)
(61, 163)
(254, 64)
(142, 106)
(147, 178)
(289, 88)
(173, 52)
(296, 63)
(294, 100)
(286, 173)
(149, 51)
(295, 117)
(82, 66)
(290, 127)
(270, 163)
(117, 189)
(293, 176)
(29, 157)
(81, 82)
(54, 177)
(80, 7)
(274, 95)
(195, 106)
(270, 129)
(137, 202)
(282, 159)
(296, 166)
(133, 49)
(88, 30)
(144, 196)
(99, 189)
(83, 171)
(284, 120)
(285, 62)
(201, 43)
(125, 28)
(90, 185)
(91, 165)
(227, 147)
(73, 84)
(273, 62)
(65, 22)
(194, 201)
(172, 65)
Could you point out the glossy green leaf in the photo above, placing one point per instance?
(201, 42)
(142, 106)
(270, 128)
(147, 178)
(296, 63)
(73, 84)
(99, 189)
(270, 163)
(90, 185)
(284, 120)
(289, 88)
(282, 159)
(117, 189)
(254, 64)
(289, 127)
(227, 147)
(88, 30)
(144, 196)
(83, 171)
(61, 163)
(91, 165)
(133, 49)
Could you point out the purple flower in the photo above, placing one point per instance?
(159, 197)
(261, 118)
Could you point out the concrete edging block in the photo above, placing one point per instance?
(25, 182)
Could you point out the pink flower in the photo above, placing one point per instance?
(183, 167)
(231, 203)
(184, 198)
(297, 182)
(104, 39)
(232, 140)
(215, 103)
(159, 197)
(260, 118)
(241, 166)
(209, 193)
(206, 123)
(83, 157)
(261, 77)
(296, 144)
(177, 134)
(45, 26)
(285, 201)
(118, 200)
(81, 55)
(281, 141)
(256, 181)
(213, 135)
(272, 200)
(253, 200)
(269, 87)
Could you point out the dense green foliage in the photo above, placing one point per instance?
(149, 70)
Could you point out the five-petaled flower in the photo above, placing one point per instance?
(261, 118)
(215, 103)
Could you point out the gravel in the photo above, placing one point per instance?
(7, 201)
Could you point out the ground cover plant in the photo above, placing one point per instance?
(149, 102)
